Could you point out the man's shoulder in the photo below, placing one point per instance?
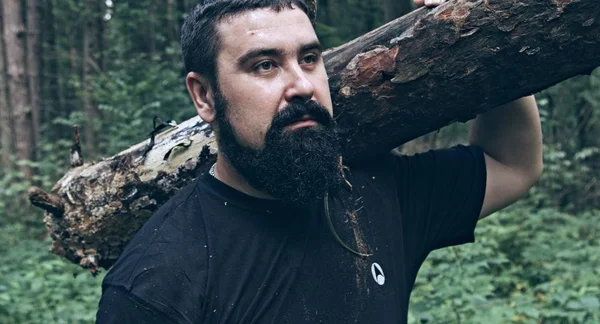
(398, 160)
(378, 162)
(159, 255)
(380, 167)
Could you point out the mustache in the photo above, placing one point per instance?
(297, 110)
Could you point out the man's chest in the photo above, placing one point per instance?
(335, 286)
(307, 276)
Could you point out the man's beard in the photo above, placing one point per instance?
(295, 166)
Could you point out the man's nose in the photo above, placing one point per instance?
(299, 86)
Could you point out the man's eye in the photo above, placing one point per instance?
(264, 66)
(309, 59)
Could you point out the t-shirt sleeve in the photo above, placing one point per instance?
(441, 193)
(163, 269)
(118, 305)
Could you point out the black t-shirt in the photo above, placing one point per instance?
(215, 255)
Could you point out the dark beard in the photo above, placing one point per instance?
(297, 166)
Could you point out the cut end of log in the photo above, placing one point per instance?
(46, 201)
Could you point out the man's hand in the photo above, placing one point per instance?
(428, 3)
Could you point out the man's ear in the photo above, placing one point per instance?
(202, 95)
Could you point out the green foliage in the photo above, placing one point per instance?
(538, 262)
(131, 96)
(570, 114)
(341, 21)
(14, 205)
(38, 287)
(526, 267)
(570, 180)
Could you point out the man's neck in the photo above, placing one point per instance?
(227, 174)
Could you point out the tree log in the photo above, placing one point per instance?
(412, 76)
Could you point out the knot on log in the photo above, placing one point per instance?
(46, 201)
(369, 69)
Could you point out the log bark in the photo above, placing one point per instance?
(414, 75)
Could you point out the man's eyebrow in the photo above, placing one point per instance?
(258, 52)
(311, 46)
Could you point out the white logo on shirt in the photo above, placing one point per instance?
(377, 273)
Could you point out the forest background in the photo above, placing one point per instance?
(111, 66)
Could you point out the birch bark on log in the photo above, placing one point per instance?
(409, 77)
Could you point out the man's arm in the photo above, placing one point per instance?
(511, 138)
(119, 306)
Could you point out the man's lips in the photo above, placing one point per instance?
(304, 121)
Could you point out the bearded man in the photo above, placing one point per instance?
(279, 231)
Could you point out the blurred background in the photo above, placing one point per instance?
(111, 66)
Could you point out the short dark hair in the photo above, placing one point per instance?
(199, 40)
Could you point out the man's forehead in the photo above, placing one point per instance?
(265, 26)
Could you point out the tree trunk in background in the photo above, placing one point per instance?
(14, 34)
(91, 47)
(51, 95)
(70, 68)
(152, 21)
(325, 8)
(393, 9)
(172, 22)
(6, 131)
(98, 51)
(33, 68)
(371, 19)
(182, 7)
(90, 113)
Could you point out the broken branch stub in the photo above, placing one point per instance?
(46, 201)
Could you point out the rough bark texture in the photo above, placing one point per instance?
(411, 76)
(14, 45)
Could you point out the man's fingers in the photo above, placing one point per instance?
(428, 3)
(434, 3)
